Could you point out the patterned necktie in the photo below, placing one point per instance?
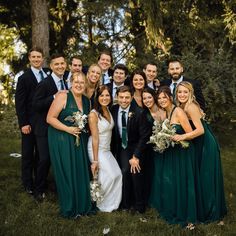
(62, 86)
(124, 130)
(174, 90)
(41, 75)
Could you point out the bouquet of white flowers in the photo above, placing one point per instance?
(79, 120)
(96, 190)
(161, 136)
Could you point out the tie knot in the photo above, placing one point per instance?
(174, 84)
(41, 75)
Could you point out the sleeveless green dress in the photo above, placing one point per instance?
(210, 174)
(70, 164)
(174, 186)
(155, 172)
(177, 188)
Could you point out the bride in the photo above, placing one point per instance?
(109, 173)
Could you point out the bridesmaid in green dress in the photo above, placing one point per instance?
(208, 156)
(70, 162)
(154, 160)
(177, 186)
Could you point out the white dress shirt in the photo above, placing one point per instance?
(57, 81)
(37, 74)
(106, 78)
(173, 81)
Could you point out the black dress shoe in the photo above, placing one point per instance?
(40, 197)
(29, 191)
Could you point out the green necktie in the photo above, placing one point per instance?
(174, 90)
(62, 86)
(41, 75)
(124, 130)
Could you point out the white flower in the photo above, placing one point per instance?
(79, 120)
(161, 136)
(96, 191)
(130, 114)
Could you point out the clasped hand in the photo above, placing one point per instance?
(178, 137)
(74, 130)
(135, 167)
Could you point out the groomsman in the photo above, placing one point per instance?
(150, 71)
(119, 79)
(129, 138)
(25, 91)
(105, 61)
(75, 66)
(175, 70)
(44, 95)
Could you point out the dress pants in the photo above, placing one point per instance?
(29, 160)
(42, 165)
(132, 188)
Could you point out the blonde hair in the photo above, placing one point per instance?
(75, 75)
(191, 98)
(87, 82)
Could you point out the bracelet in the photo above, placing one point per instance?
(94, 161)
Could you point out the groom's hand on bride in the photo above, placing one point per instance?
(134, 165)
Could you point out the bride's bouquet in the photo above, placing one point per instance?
(161, 136)
(96, 190)
(79, 120)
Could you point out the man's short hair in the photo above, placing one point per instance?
(56, 55)
(74, 57)
(123, 89)
(121, 67)
(37, 49)
(106, 52)
(174, 59)
(150, 63)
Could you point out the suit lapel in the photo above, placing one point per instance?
(130, 114)
(34, 80)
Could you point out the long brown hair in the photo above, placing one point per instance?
(97, 105)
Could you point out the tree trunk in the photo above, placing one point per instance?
(40, 25)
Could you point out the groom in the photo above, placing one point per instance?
(129, 138)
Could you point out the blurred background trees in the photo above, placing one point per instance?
(202, 32)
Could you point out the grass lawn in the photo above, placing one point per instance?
(21, 215)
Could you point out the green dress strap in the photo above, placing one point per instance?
(172, 112)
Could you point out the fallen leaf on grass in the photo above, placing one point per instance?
(106, 230)
(15, 155)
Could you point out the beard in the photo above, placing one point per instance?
(176, 77)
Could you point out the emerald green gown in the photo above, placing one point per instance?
(178, 203)
(70, 164)
(154, 172)
(173, 191)
(211, 177)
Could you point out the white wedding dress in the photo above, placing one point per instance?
(109, 174)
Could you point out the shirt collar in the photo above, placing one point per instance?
(55, 77)
(179, 80)
(35, 71)
(126, 110)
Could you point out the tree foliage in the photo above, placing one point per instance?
(136, 31)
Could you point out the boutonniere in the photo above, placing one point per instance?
(48, 72)
(130, 114)
(110, 78)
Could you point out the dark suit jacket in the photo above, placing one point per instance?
(25, 91)
(42, 102)
(197, 90)
(137, 129)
